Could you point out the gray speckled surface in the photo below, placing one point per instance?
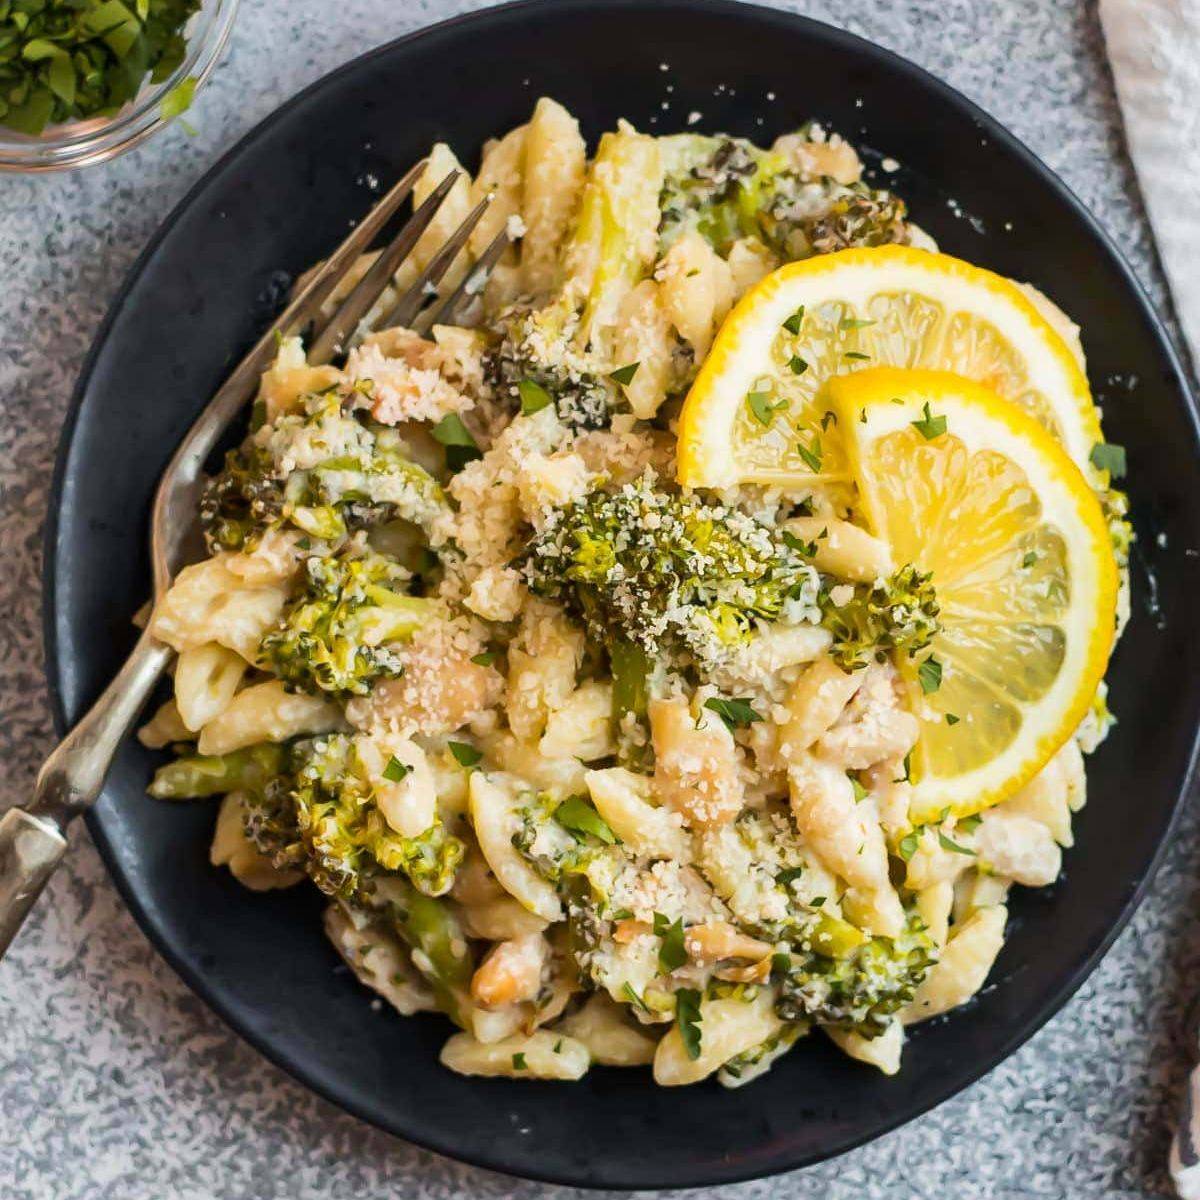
(115, 1082)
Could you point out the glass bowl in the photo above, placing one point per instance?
(98, 139)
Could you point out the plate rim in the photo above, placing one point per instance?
(716, 1174)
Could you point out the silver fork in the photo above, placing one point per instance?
(33, 839)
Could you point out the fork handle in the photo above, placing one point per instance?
(30, 848)
(33, 839)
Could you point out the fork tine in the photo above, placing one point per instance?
(451, 309)
(307, 302)
(330, 339)
(407, 307)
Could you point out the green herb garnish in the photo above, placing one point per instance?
(624, 375)
(395, 771)
(518, 1062)
(811, 454)
(688, 1019)
(461, 447)
(929, 426)
(930, 675)
(793, 323)
(465, 755)
(578, 816)
(732, 712)
(68, 60)
(672, 953)
(534, 397)
(954, 847)
(762, 407)
(1108, 456)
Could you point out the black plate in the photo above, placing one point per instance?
(281, 199)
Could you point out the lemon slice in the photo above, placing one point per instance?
(965, 485)
(756, 412)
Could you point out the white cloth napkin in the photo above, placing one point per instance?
(1154, 48)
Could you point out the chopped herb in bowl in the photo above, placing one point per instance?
(71, 60)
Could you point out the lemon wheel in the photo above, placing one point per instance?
(966, 485)
(758, 412)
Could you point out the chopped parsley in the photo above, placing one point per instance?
(797, 365)
(464, 754)
(792, 542)
(1029, 559)
(518, 1062)
(624, 375)
(857, 356)
(909, 843)
(688, 1019)
(534, 397)
(811, 454)
(1108, 456)
(763, 408)
(485, 659)
(951, 719)
(732, 712)
(395, 771)
(930, 675)
(576, 815)
(461, 447)
(860, 792)
(929, 426)
(672, 953)
(793, 323)
(68, 60)
(953, 847)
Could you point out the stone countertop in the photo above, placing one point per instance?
(116, 1082)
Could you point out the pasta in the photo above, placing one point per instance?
(610, 771)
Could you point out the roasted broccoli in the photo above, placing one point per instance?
(663, 570)
(325, 471)
(727, 188)
(560, 838)
(897, 615)
(242, 501)
(715, 185)
(195, 775)
(322, 816)
(863, 989)
(537, 346)
(339, 634)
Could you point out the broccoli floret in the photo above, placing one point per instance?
(855, 215)
(367, 482)
(536, 346)
(195, 775)
(339, 634)
(323, 816)
(862, 990)
(663, 570)
(242, 501)
(560, 837)
(715, 185)
(898, 615)
(728, 188)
